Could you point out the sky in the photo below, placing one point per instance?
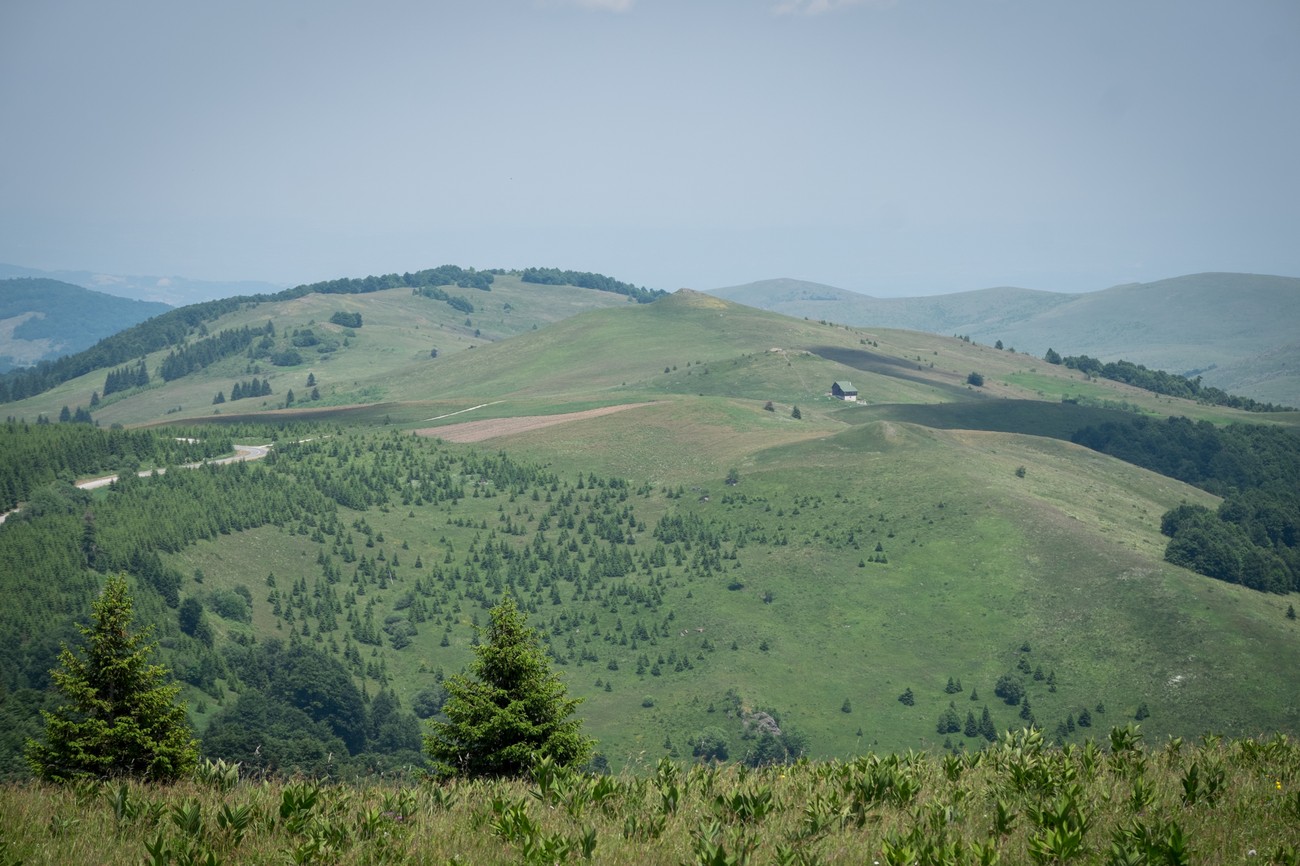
(893, 148)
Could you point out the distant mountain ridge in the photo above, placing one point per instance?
(1241, 332)
(43, 319)
(174, 291)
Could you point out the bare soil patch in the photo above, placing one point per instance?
(477, 431)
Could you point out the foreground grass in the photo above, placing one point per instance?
(1016, 802)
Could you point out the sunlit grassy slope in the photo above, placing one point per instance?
(387, 358)
(980, 561)
(531, 349)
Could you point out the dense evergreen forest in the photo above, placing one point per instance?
(457, 302)
(37, 455)
(586, 280)
(202, 353)
(53, 551)
(125, 378)
(1254, 537)
(446, 275)
(1160, 382)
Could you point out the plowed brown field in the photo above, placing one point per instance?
(477, 431)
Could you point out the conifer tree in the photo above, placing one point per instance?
(987, 728)
(121, 717)
(511, 711)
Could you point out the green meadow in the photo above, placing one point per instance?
(707, 565)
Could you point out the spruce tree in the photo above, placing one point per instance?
(121, 717)
(511, 711)
(987, 729)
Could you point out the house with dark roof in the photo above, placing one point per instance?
(844, 391)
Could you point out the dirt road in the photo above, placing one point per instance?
(242, 453)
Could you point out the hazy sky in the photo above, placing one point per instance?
(906, 147)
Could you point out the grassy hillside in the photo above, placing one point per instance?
(979, 563)
(935, 532)
(799, 615)
(387, 358)
(525, 350)
(1237, 330)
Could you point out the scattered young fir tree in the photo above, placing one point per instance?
(987, 729)
(511, 711)
(121, 717)
(949, 722)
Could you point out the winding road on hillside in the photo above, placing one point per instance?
(242, 454)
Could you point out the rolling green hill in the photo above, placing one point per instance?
(1236, 330)
(385, 359)
(700, 558)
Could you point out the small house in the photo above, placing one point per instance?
(844, 391)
